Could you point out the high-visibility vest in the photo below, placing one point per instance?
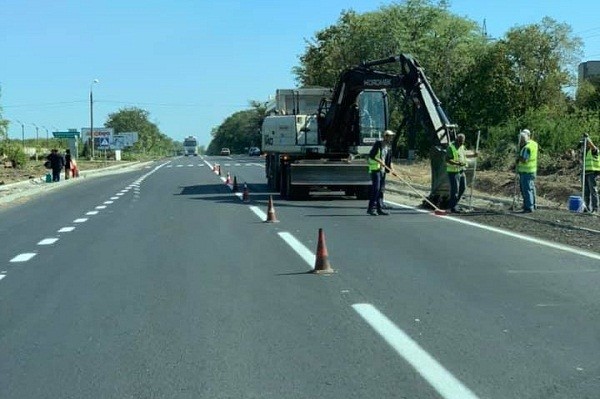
(374, 166)
(529, 166)
(458, 155)
(592, 163)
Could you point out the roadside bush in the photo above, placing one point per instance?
(14, 153)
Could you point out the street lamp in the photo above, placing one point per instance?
(92, 114)
(22, 133)
(46, 129)
(37, 138)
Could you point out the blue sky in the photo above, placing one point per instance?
(190, 63)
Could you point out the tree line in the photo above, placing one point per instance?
(498, 86)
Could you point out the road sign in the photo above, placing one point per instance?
(65, 135)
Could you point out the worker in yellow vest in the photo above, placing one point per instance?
(527, 169)
(456, 162)
(379, 162)
(592, 170)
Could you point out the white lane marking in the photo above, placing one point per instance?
(300, 249)
(101, 207)
(80, 220)
(47, 241)
(66, 229)
(107, 202)
(114, 198)
(23, 257)
(552, 271)
(190, 166)
(91, 213)
(200, 165)
(169, 166)
(120, 194)
(430, 369)
(124, 191)
(511, 234)
(2, 276)
(180, 166)
(261, 215)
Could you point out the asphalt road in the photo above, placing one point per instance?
(162, 283)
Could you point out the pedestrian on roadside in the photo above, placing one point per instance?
(56, 164)
(591, 172)
(456, 162)
(379, 162)
(527, 169)
(67, 164)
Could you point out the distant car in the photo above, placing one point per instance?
(225, 151)
(254, 152)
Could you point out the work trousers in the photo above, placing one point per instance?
(527, 183)
(458, 185)
(590, 192)
(377, 189)
(56, 174)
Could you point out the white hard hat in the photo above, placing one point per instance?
(389, 133)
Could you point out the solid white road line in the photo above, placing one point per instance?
(300, 249)
(66, 229)
(430, 369)
(23, 257)
(510, 234)
(47, 241)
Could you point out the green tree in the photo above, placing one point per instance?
(542, 58)
(239, 131)
(3, 123)
(150, 139)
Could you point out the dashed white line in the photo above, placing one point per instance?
(120, 194)
(2, 276)
(300, 249)
(47, 241)
(22, 257)
(101, 207)
(426, 365)
(66, 229)
(114, 198)
(91, 213)
(107, 202)
(261, 215)
(80, 220)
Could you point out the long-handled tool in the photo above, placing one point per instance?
(584, 200)
(436, 210)
(516, 180)
(474, 170)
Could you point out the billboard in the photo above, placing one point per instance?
(123, 140)
(102, 136)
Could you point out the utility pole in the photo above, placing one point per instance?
(92, 115)
(22, 134)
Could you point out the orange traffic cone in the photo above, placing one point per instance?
(322, 265)
(246, 194)
(271, 218)
(235, 185)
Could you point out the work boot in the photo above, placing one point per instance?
(371, 212)
(382, 212)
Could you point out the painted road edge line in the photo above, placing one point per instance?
(448, 386)
(534, 240)
(300, 249)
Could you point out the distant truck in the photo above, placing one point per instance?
(190, 146)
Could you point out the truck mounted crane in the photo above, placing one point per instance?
(328, 148)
